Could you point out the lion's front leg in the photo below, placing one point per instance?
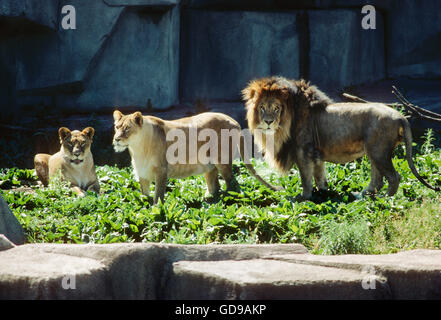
(78, 191)
(306, 174)
(160, 185)
(145, 186)
(320, 176)
(95, 187)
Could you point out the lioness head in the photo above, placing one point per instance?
(126, 126)
(76, 144)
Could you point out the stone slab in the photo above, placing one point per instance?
(263, 279)
(117, 271)
(170, 271)
(29, 274)
(414, 274)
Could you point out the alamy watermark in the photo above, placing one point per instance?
(205, 146)
(69, 281)
(69, 20)
(369, 20)
(369, 279)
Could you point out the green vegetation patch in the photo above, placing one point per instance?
(335, 222)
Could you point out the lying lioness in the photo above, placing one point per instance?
(152, 149)
(74, 161)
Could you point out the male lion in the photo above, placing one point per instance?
(150, 141)
(74, 161)
(308, 129)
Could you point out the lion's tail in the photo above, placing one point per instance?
(408, 142)
(250, 167)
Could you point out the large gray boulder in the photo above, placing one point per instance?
(342, 53)
(414, 39)
(64, 57)
(226, 49)
(139, 62)
(5, 244)
(118, 55)
(43, 12)
(9, 225)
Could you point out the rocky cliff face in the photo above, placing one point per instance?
(169, 51)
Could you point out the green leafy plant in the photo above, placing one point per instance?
(335, 222)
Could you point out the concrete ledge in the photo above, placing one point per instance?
(167, 271)
(268, 279)
(412, 274)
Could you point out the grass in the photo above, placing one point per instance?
(335, 222)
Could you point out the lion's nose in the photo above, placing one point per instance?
(268, 122)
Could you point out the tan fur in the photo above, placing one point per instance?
(310, 129)
(145, 138)
(74, 161)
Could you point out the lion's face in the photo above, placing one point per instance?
(76, 144)
(126, 127)
(268, 110)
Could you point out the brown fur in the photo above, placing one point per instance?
(74, 161)
(311, 129)
(145, 138)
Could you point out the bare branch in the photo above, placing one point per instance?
(421, 112)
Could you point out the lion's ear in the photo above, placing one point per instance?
(248, 93)
(319, 99)
(89, 132)
(284, 93)
(117, 115)
(137, 117)
(64, 133)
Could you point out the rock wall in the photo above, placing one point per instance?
(170, 51)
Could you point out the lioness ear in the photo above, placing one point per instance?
(117, 115)
(89, 131)
(137, 117)
(64, 133)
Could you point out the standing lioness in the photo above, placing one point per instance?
(74, 161)
(152, 150)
